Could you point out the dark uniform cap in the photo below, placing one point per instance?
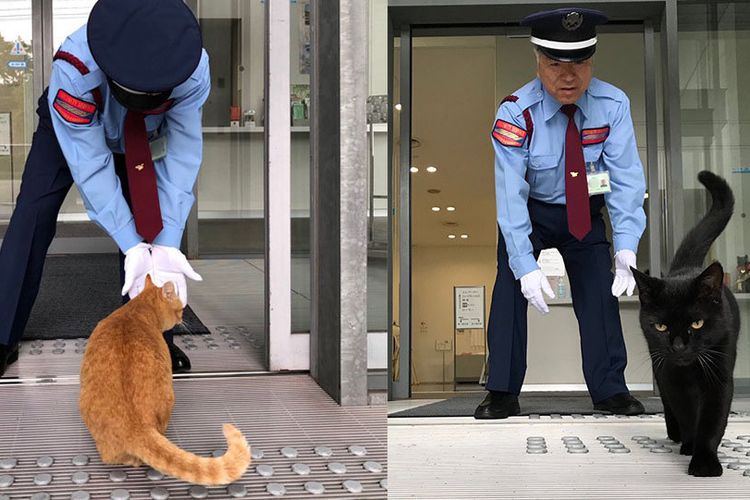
(145, 45)
(566, 35)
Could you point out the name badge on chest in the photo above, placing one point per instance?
(158, 147)
(598, 180)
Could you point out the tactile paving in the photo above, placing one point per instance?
(281, 412)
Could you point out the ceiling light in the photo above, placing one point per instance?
(398, 107)
(450, 209)
(452, 236)
(464, 236)
(435, 209)
(413, 170)
(431, 169)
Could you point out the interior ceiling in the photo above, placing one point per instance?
(454, 106)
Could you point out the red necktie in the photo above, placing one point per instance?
(576, 185)
(144, 198)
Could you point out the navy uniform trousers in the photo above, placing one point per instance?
(589, 267)
(45, 183)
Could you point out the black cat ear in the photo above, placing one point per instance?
(647, 285)
(711, 281)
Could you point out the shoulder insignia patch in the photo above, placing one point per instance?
(594, 135)
(508, 134)
(72, 109)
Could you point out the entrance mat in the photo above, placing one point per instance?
(78, 291)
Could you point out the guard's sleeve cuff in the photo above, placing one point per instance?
(626, 242)
(170, 236)
(523, 265)
(127, 237)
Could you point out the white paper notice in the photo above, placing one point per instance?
(551, 262)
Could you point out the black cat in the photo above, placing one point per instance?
(691, 322)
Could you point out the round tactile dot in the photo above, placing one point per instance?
(80, 495)
(730, 444)
(384, 484)
(578, 450)
(118, 476)
(323, 451)
(739, 466)
(640, 438)
(536, 451)
(42, 479)
(289, 452)
(234, 346)
(120, 495)
(742, 449)
(353, 486)
(58, 351)
(198, 491)
(619, 450)
(45, 461)
(8, 463)
(606, 438)
(536, 446)
(212, 347)
(80, 477)
(315, 488)
(337, 468)
(301, 469)
(80, 460)
(728, 460)
(276, 489)
(744, 437)
(359, 451)
(218, 453)
(373, 467)
(535, 438)
(154, 475)
(256, 454)
(264, 470)
(35, 352)
(611, 446)
(40, 496)
(159, 494)
(237, 490)
(190, 347)
(661, 450)
(651, 445)
(746, 473)
(6, 481)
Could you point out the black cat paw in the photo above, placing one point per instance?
(674, 435)
(705, 466)
(686, 449)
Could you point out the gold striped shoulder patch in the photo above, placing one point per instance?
(508, 134)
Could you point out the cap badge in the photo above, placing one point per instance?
(139, 167)
(572, 21)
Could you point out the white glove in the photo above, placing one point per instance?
(137, 265)
(171, 265)
(532, 285)
(624, 260)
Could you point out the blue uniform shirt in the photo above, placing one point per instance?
(537, 170)
(88, 147)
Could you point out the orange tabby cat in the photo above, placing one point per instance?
(127, 396)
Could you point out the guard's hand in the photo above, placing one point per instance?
(137, 265)
(624, 280)
(171, 265)
(532, 286)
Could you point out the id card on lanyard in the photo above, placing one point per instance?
(598, 180)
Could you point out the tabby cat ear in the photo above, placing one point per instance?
(168, 290)
(711, 281)
(647, 286)
(149, 283)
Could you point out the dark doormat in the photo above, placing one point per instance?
(531, 404)
(78, 291)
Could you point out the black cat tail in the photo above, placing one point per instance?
(694, 247)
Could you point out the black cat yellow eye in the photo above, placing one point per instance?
(660, 327)
(696, 324)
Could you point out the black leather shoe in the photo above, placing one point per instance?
(621, 404)
(497, 405)
(180, 361)
(8, 356)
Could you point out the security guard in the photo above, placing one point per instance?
(122, 119)
(564, 148)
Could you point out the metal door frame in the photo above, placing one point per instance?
(656, 19)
